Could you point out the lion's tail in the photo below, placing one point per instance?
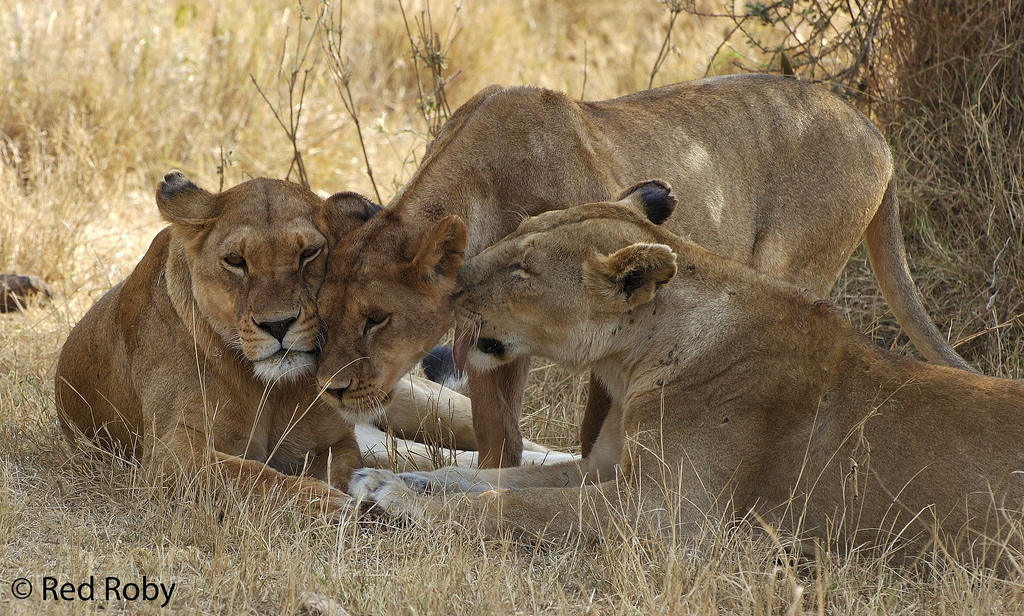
(884, 238)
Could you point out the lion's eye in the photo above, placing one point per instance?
(375, 320)
(308, 255)
(235, 260)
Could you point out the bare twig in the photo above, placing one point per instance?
(429, 49)
(223, 163)
(820, 40)
(583, 90)
(294, 92)
(674, 8)
(331, 41)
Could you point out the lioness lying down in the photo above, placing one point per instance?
(777, 173)
(204, 355)
(724, 382)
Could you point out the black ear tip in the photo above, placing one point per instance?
(658, 200)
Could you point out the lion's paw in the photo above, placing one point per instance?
(387, 492)
(418, 482)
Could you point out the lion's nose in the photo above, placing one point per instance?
(277, 329)
(338, 390)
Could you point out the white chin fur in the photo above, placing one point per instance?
(284, 367)
(351, 414)
(362, 416)
(483, 362)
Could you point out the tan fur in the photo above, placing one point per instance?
(740, 391)
(778, 174)
(179, 364)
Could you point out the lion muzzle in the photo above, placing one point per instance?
(491, 346)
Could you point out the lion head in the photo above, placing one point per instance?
(248, 264)
(387, 300)
(557, 286)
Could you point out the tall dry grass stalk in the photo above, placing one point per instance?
(99, 99)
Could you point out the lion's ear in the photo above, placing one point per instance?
(440, 250)
(653, 198)
(630, 276)
(182, 202)
(346, 211)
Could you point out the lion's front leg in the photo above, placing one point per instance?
(185, 453)
(532, 512)
(568, 474)
(442, 419)
(599, 403)
(497, 406)
(447, 479)
(425, 411)
(334, 465)
(382, 450)
(265, 481)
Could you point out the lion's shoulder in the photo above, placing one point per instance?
(139, 295)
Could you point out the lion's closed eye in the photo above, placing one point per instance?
(309, 254)
(375, 320)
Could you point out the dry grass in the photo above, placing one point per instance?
(954, 104)
(101, 98)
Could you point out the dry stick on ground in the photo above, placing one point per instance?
(295, 101)
(331, 39)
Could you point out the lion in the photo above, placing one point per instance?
(779, 174)
(205, 354)
(739, 390)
